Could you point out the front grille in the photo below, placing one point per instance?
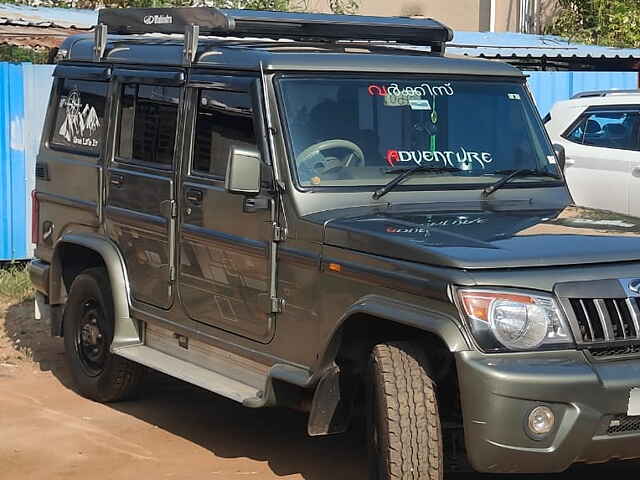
(606, 320)
(623, 424)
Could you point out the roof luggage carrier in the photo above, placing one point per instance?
(197, 21)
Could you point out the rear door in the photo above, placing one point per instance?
(600, 151)
(140, 180)
(224, 239)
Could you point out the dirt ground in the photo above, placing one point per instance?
(173, 431)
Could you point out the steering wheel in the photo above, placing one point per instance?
(313, 160)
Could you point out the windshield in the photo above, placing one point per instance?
(346, 132)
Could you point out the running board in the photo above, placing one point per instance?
(198, 363)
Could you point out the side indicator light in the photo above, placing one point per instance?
(335, 267)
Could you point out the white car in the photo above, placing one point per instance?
(599, 132)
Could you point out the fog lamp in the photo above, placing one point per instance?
(541, 420)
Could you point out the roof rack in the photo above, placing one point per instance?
(194, 22)
(606, 93)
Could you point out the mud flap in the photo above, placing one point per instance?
(332, 405)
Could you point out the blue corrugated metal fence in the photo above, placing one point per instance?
(24, 93)
(549, 87)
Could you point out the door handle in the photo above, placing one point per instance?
(569, 161)
(253, 204)
(117, 180)
(194, 196)
(635, 172)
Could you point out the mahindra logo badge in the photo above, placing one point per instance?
(158, 19)
(634, 286)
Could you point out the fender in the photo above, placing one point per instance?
(422, 318)
(125, 331)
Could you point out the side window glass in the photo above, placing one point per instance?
(577, 134)
(224, 119)
(79, 122)
(148, 124)
(617, 130)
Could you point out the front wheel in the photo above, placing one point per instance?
(88, 332)
(403, 427)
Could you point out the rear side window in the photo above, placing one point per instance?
(224, 119)
(79, 121)
(607, 129)
(148, 124)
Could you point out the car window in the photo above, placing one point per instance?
(148, 124)
(224, 119)
(79, 120)
(608, 129)
(577, 134)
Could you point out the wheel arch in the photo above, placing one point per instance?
(392, 314)
(76, 252)
(371, 320)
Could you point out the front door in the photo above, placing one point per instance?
(140, 181)
(224, 239)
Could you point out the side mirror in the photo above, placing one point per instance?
(560, 155)
(243, 171)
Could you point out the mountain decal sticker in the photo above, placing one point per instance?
(81, 122)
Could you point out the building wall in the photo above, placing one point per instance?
(466, 15)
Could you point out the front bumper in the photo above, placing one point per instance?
(499, 391)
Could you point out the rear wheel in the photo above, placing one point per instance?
(403, 427)
(88, 333)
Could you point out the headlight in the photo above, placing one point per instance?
(516, 321)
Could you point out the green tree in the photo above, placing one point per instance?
(614, 23)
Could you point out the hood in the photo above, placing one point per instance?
(478, 238)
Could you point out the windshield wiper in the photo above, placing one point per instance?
(511, 174)
(406, 172)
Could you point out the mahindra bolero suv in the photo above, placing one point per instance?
(330, 214)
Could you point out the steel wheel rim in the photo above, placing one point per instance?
(91, 347)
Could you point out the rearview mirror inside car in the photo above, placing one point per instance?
(243, 171)
(560, 155)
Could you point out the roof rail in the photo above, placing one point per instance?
(606, 93)
(193, 22)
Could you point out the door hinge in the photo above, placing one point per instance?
(172, 274)
(173, 207)
(279, 233)
(277, 304)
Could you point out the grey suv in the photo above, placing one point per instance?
(299, 210)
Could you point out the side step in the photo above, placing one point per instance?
(189, 372)
(199, 363)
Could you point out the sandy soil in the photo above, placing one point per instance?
(174, 431)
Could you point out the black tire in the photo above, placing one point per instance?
(403, 426)
(88, 332)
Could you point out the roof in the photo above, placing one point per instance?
(29, 27)
(541, 50)
(250, 54)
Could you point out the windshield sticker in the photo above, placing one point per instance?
(417, 104)
(514, 96)
(551, 159)
(399, 100)
(80, 122)
(463, 159)
(420, 91)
